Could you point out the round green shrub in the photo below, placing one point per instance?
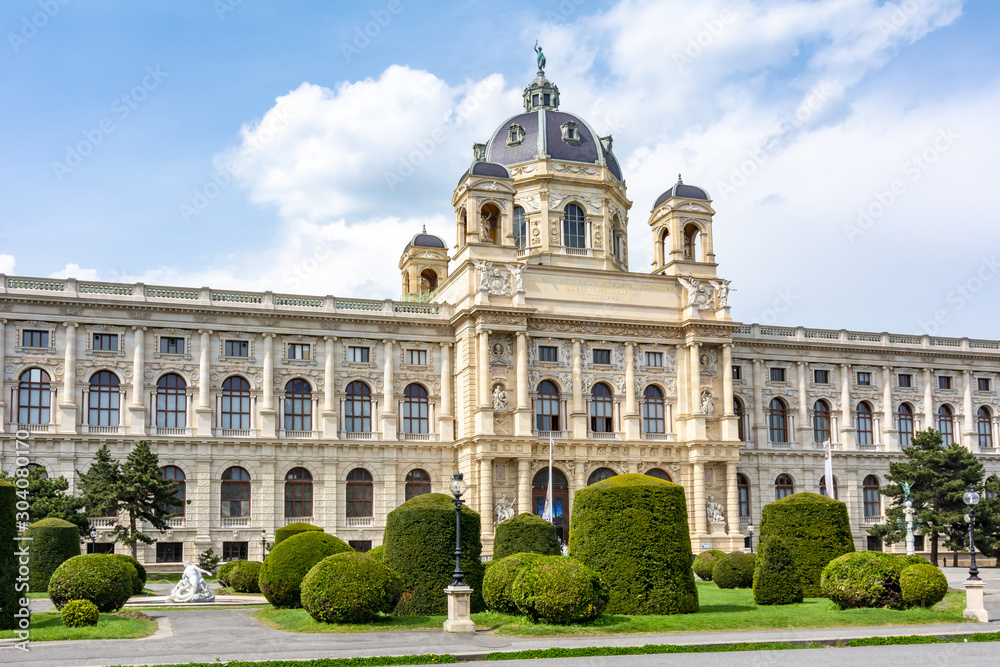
(53, 542)
(9, 595)
(776, 579)
(378, 553)
(350, 588)
(525, 533)
(632, 530)
(224, 573)
(559, 590)
(100, 578)
(705, 562)
(79, 613)
(864, 579)
(922, 585)
(816, 530)
(499, 580)
(904, 561)
(285, 532)
(287, 564)
(420, 543)
(244, 577)
(136, 569)
(734, 570)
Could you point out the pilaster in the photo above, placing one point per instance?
(484, 397)
(203, 413)
(67, 406)
(446, 419)
(578, 414)
(329, 416)
(632, 423)
(388, 392)
(137, 410)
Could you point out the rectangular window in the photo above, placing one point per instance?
(737, 372)
(416, 357)
(602, 357)
(171, 345)
(874, 543)
(905, 380)
(169, 552)
(944, 382)
(821, 377)
(984, 384)
(100, 547)
(234, 551)
(548, 353)
(360, 546)
(918, 542)
(32, 338)
(654, 359)
(108, 342)
(298, 351)
(864, 378)
(357, 355)
(777, 375)
(237, 348)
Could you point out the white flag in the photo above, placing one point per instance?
(547, 512)
(828, 463)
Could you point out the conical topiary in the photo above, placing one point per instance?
(776, 579)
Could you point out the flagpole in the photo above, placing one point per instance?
(547, 512)
(828, 465)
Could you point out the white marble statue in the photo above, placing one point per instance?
(503, 510)
(715, 514)
(192, 587)
(698, 293)
(722, 290)
(499, 398)
(516, 273)
(707, 403)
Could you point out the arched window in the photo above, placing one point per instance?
(659, 474)
(741, 429)
(600, 475)
(743, 494)
(653, 410)
(298, 493)
(821, 422)
(692, 243)
(574, 228)
(41, 474)
(34, 397)
(104, 399)
(560, 498)
(418, 482)
(171, 401)
(984, 427)
(235, 403)
(520, 227)
(991, 487)
(490, 228)
(777, 421)
(601, 409)
(235, 492)
(872, 498)
(175, 474)
(428, 280)
(415, 409)
(824, 491)
(863, 424)
(358, 408)
(298, 406)
(946, 425)
(783, 486)
(547, 407)
(359, 493)
(905, 424)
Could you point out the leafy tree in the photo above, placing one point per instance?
(939, 476)
(48, 498)
(207, 560)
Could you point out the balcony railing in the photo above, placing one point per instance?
(419, 437)
(235, 432)
(873, 520)
(781, 445)
(296, 519)
(102, 521)
(176, 522)
(298, 434)
(101, 430)
(862, 339)
(545, 435)
(30, 428)
(235, 521)
(604, 435)
(658, 437)
(360, 522)
(870, 448)
(744, 521)
(163, 430)
(359, 435)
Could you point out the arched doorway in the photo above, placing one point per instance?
(560, 499)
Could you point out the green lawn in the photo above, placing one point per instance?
(47, 626)
(721, 610)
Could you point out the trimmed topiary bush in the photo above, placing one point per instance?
(734, 570)
(705, 562)
(922, 585)
(419, 543)
(79, 613)
(9, 594)
(106, 581)
(54, 541)
(287, 564)
(499, 580)
(632, 530)
(816, 530)
(378, 553)
(244, 577)
(776, 579)
(350, 588)
(864, 579)
(139, 580)
(906, 561)
(525, 533)
(285, 532)
(222, 576)
(559, 590)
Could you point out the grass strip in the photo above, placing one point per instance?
(648, 649)
(427, 659)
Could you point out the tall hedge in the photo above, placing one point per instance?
(53, 542)
(420, 544)
(633, 531)
(9, 597)
(816, 530)
(287, 564)
(285, 532)
(776, 579)
(526, 533)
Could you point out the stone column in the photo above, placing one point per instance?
(928, 400)
(759, 425)
(446, 417)
(67, 407)
(632, 422)
(889, 431)
(803, 436)
(733, 505)
(700, 512)
(730, 429)
(696, 421)
(203, 413)
(388, 391)
(328, 418)
(523, 486)
(968, 417)
(522, 415)
(846, 419)
(484, 395)
(486, 497)
(578, 415)
(137, 411)
(268, 422)
(3, 390)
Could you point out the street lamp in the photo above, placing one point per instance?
(458, 487)
(263, 543)
(750, 534)
(93, 540)
(971, 498)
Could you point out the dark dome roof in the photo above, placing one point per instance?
(588, 149)
(425, 240)
(681, 190)
(486, 169)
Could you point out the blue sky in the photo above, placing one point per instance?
(834, 98)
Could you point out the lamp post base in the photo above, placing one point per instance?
(974, 608)
(460, 609)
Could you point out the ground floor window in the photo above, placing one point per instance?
(361, 546)
(918, 542)
(169, 552)
(234, 551)
(874, 543)
(101, 548)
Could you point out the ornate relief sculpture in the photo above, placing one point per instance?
(499, 398)
(698, 292)
(503, 510)
(715, 513)
(707, 402)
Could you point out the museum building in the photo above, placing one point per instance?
(273, 408)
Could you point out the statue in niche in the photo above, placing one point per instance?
(707, 403)
(488, 222)
(503, 510)
(499, 399)
(715, 513)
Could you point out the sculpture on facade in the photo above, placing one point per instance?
(499, 399)
(192, 587)
(517, 275)
(699, 295)
(722, 290)
(488, 221)
(503, 510)
(707, 403)
(715, 513)
(539, 57)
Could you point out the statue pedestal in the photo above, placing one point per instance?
(716, 529)
(974, 608)
(459, 609)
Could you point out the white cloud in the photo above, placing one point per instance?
(75, 271)
(7, 263)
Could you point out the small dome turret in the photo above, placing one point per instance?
(425, 240)
(683, 191)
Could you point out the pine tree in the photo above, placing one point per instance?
(97, 485)
(48, 498)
